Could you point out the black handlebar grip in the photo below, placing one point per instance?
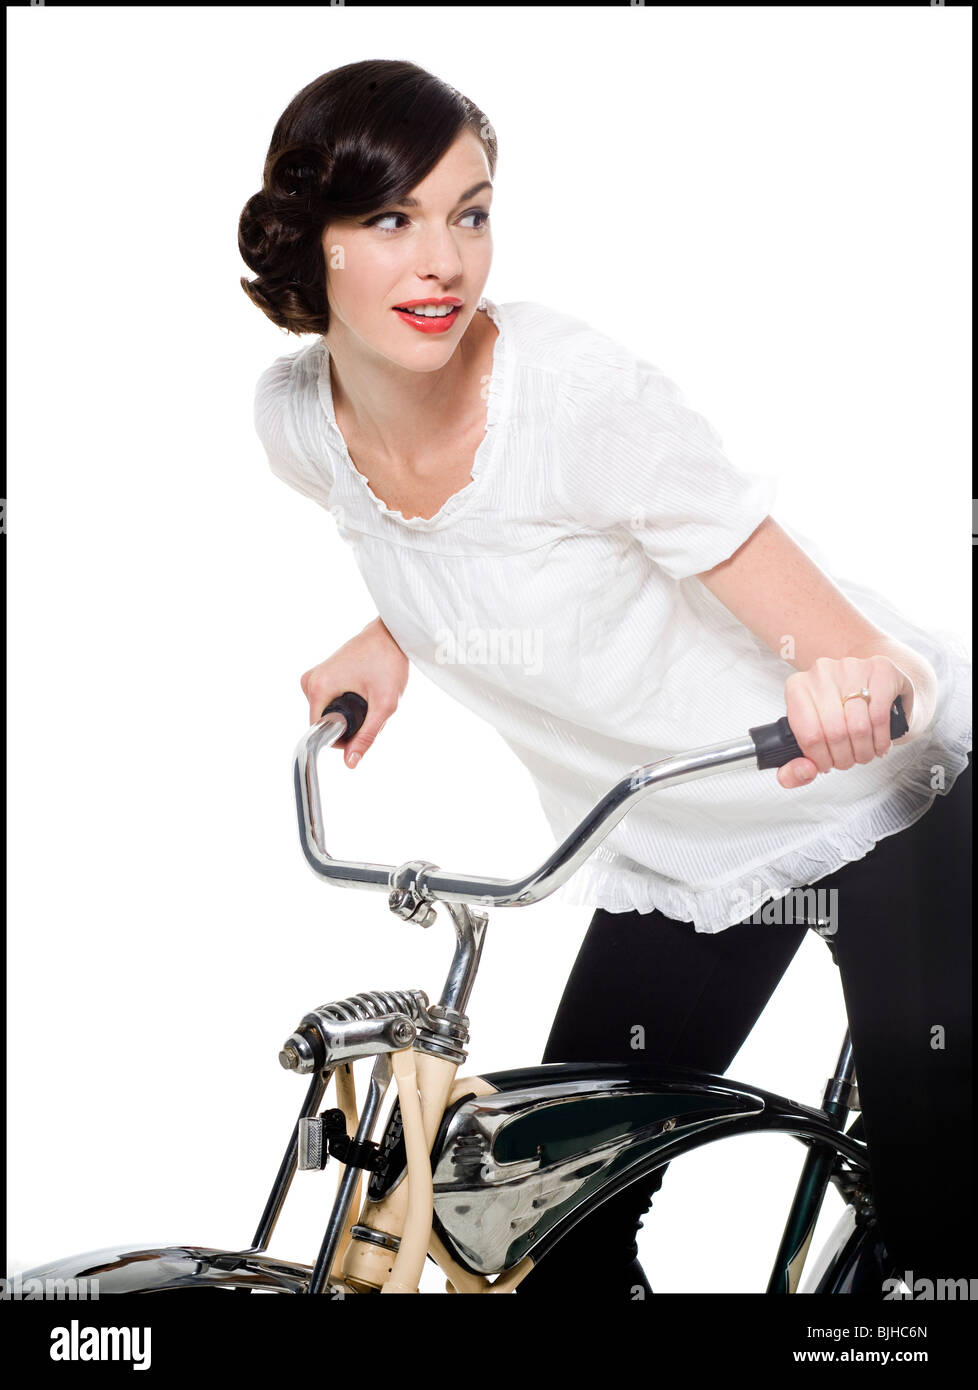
(353, 708)
(775, 743)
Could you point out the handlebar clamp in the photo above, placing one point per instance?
(407, 898)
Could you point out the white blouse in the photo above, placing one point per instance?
(555, 596)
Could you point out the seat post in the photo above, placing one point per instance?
(840, 1089)
(840, 1095)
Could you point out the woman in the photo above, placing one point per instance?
(555, 537)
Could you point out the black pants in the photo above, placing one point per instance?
(903, 945)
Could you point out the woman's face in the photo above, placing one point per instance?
(438, 247)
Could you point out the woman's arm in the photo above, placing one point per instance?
(791, 605)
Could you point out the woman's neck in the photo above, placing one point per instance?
(402, 417)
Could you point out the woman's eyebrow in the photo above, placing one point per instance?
(469, 193)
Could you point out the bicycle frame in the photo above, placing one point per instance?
(661, 1113)
(492, 1199)
(486, 1174)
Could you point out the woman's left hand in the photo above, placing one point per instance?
(832, 734)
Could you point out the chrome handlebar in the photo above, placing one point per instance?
(418, 882)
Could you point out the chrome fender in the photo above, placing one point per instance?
(123, 1269)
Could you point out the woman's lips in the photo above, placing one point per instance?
(429, 325)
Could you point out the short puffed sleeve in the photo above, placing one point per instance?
(636, 456)
(284, 399)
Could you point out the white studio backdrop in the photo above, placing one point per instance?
(772, 205)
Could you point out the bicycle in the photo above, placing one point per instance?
(485, 1174)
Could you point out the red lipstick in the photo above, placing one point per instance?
(432, 324)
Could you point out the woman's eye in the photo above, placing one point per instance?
(385, 217)
(393, 216)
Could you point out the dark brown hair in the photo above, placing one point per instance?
(357, 137)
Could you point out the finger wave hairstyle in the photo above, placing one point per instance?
(357, 138)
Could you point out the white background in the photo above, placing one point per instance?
(772, 205)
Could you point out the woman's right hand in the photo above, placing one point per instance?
(372, 665)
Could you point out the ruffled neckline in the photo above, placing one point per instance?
(450, 509)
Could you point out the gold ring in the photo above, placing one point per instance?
(857, 694)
